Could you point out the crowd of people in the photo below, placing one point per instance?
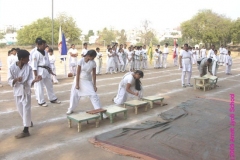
(37, 69)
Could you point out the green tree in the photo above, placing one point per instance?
(147, 34)
(107, 35)
(43, 28)
(235, 31)
(90, 33)
(122, 37)
(207, 27)
(1, 35)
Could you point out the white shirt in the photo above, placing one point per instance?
(24, 87)
(130, 55)
(86, 69)
(11, 59)
(174, 50)
(203, 50)
(228, 60)
(128, 79)
(73, 51)
(156, 55)
(52, 60)
(39, 60)
(225, 51)
(99, 54)
(84, 51)
(165, 50)
(221, 50)
(210, 53)
(186, 57)
(30, 56)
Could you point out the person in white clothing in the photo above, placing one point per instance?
(120, 60)
(137, 58)
(115, 58)
(203, 52)
(108, 46)
(129, 87)
(165, 55)
(197, 53)
(0, 73)
(194, 56)
(214, 58)
(110, 62)
(160, 56)
(221, 55)
(156, 59)
(85, 82)
(145, 58)
(228, 62)
(52, 60)
(125, 50)
(20, 77)
(84, 50)
(12, 58)
(33, 50)
(225, 52)
(73, 54)
(130, 59)
(98, 61)
(175, 55)
(185, 64)
(41, 67)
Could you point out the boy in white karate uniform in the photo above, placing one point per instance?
(165, 55)
(137, 58)
(228, 62)
(110, 62)
(41, 67)
(20, 77)
(85, 82)
(33, 50)
(194, 56)
(98, 61)
(221, 55)
(73, 53)
(0, 73)
(52, 60)
(197, 53)
(203, 52)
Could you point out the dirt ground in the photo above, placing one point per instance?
(52, 139)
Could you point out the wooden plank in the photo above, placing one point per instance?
(80, 117)
(134, 103)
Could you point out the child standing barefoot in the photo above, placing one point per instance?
(85, 82)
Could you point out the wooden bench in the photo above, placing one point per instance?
(212, 80)
(152, 99)
(81, 117)
(136, 104)
(112, 112)
(96, 111)
(201, 82)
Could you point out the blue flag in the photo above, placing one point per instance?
(64, 45)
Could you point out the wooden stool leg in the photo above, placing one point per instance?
(101, 115)
(136, 109)
(151, 104)
(161, 102)
(125, 114)
(111, 118)
(124, 105)
(97, 122)
(69, 123)
(87, 122)
(146, 107)
(79, 127)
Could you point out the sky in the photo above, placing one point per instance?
(119, 14)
